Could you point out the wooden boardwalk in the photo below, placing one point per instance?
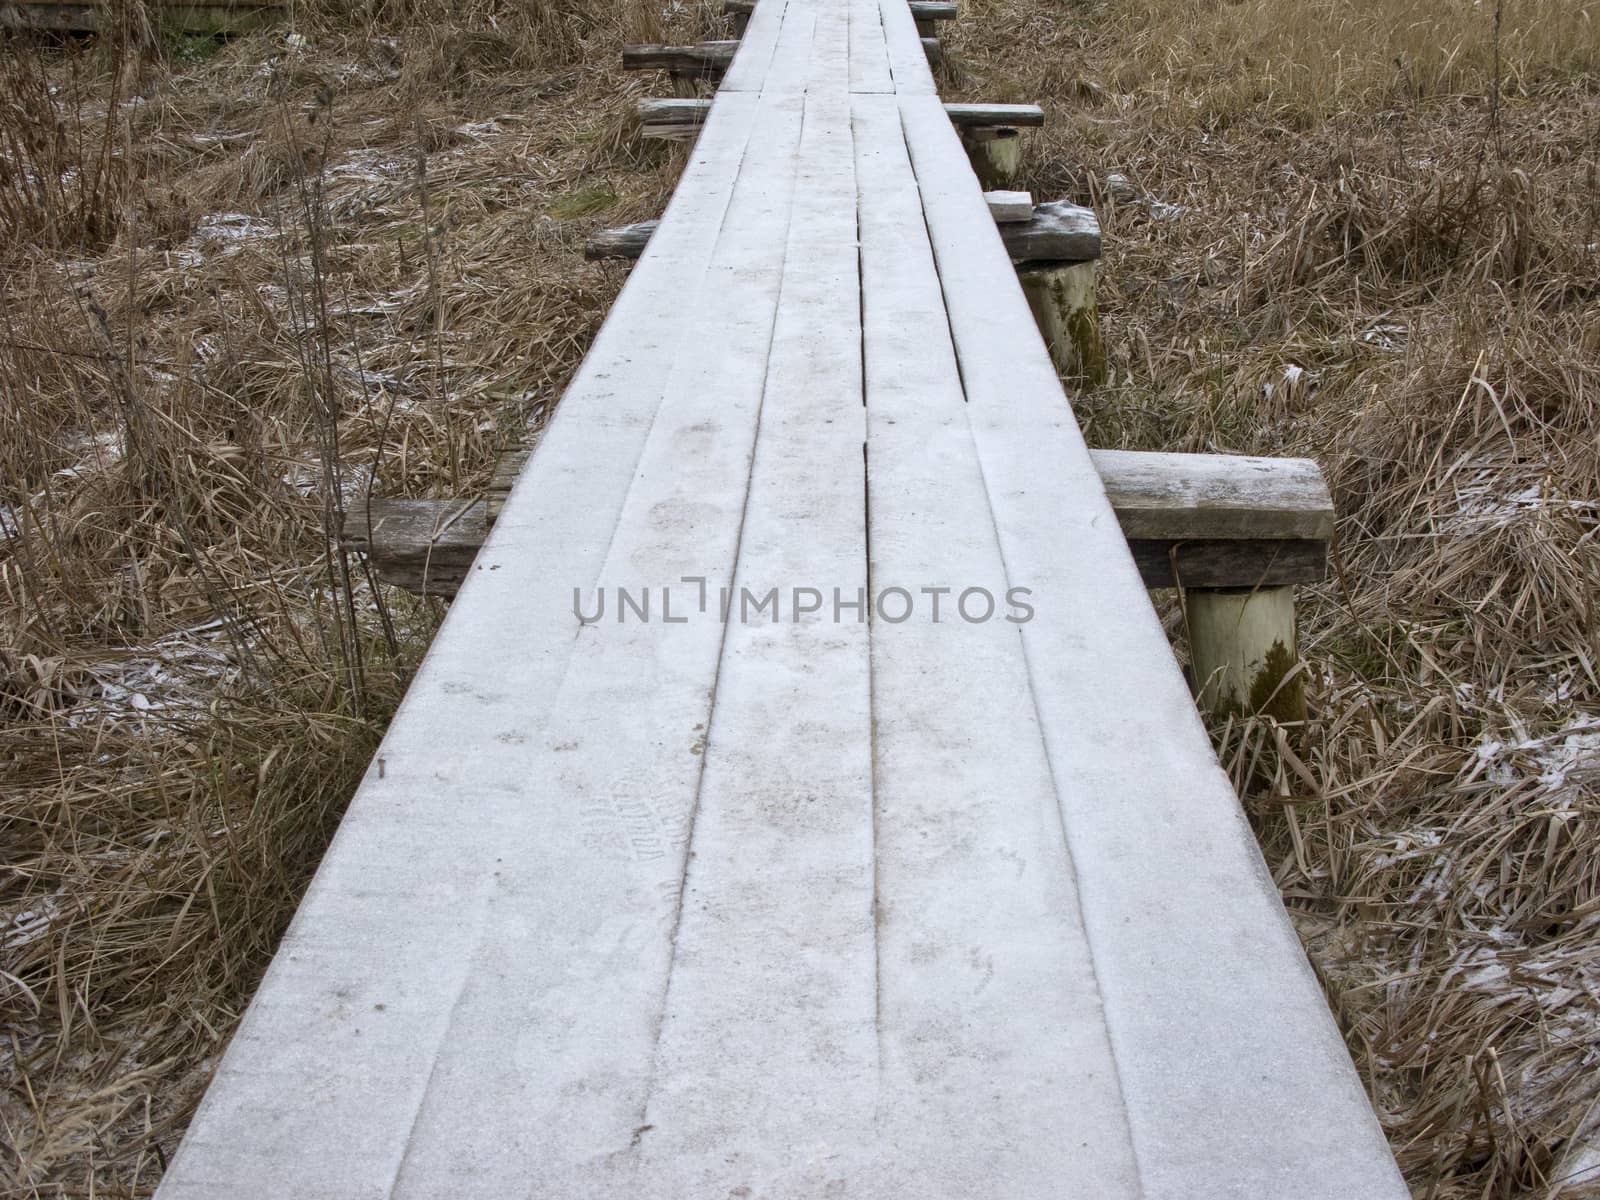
(839, 904)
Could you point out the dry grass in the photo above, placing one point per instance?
(238, 285)
(1366, 230)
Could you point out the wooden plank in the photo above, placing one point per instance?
(979, 116)
(922, 10)
(660, 110)
(908, 57)
(1059, 231)
(769, 1040)
(562, 1012)
(624, 241)
(869, 73)
(792, 61)
(705, 59)
(986, 983)
(379, 953)
(1188, 931)
(507, 469)
(1194, 520)
(1009, 207)
(1216, 496)
(424, 546)
(1205, 563)
(750, 65)
(869, 51)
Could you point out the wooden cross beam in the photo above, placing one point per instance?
(673, 118)
(1195, 520)
(712, 59)
(1058, 232)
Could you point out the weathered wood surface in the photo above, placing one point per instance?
(1058, 231)
(424, 546)
(712, 59)
(1112, 706)
(623, 241)
(978, 116)
(1009, 207)
(922, 10)
(1216, 496)
(1195, 520)
(664, 111)
(1243, 650)
(788, 907)
(1062, 299)
(707, 58)
(194, 16)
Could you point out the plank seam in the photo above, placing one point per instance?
(872, 687)
(722, 647)
(460, 992)
(1027, 662)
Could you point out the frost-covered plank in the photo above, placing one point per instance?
(1236, 1080)
(557, 1025)
(998, 1077)
(748, 71)
(908, 57)
(793, 62)
(830, 50)
(320, 1090)
(869, 52)
(768, 1047)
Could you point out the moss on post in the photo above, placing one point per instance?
(1243, 647)
(1061, 296)
(996, 154)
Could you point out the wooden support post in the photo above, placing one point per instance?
(1236, 534)
(1243, 650)
(1061, 296)
(996, 154)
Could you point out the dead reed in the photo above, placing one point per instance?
(242, 286)
(1365, 230)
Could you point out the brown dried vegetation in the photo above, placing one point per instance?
(240, 283)
(1369, 231)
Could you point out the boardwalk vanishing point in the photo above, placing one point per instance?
(831, 898)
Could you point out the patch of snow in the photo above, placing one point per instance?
(31, 923)
(1481, 506)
